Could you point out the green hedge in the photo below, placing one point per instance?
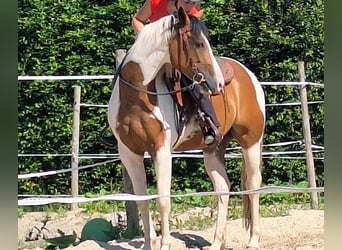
(80, 38)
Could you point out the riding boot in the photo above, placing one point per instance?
(210, 118)
(108, 141)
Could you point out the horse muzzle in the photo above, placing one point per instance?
(210, 83)
(209, 86)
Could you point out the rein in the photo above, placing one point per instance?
(183, 89)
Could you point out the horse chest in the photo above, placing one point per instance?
(140, 130)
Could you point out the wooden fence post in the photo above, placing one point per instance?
(307, 135)
(131, 206)
(75, 145)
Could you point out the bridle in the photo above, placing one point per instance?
(184, 47)
(197, 78)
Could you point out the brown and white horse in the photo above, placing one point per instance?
(142, 118)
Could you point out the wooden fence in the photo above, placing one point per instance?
(131, 209)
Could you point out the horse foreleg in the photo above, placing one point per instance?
(163, 164)
(134, 165)
(215, 168)
(251, 179)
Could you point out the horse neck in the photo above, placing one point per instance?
(151, 48)
(150, 62)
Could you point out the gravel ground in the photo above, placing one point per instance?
(300, 230)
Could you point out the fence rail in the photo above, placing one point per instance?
(131, 197)
(109, 77)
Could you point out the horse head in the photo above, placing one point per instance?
(190, 53)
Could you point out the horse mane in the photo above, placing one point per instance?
(198, 27)
(151, 47)
(158, 32)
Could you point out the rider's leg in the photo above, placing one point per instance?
(109, 141)
(205, 105)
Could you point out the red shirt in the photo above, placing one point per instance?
(159, 9)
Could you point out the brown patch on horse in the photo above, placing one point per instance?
(138, 129)
(195, 143)
(238, 110)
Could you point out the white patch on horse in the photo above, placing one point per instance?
(189, 130)
(166, 106)
(217, 69)
(113, 107)
(158, 114)
(151, 48)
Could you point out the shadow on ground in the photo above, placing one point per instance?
(190, 241)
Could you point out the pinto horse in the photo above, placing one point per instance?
(141, 115)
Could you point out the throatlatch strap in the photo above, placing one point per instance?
(177, 86)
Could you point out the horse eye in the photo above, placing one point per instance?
(199, 45)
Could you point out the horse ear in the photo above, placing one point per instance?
(184, 19)
(199, 14)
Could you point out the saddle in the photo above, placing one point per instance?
(226, 69)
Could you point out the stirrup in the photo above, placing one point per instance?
(211, 134)
(209, 139)
(217, 135)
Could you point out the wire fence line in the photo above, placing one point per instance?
(110, 77)
(34, 201)
(185, 154)
(267, 105)
(278, 144)
(116, 158)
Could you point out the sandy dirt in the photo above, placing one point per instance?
(299, 230)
